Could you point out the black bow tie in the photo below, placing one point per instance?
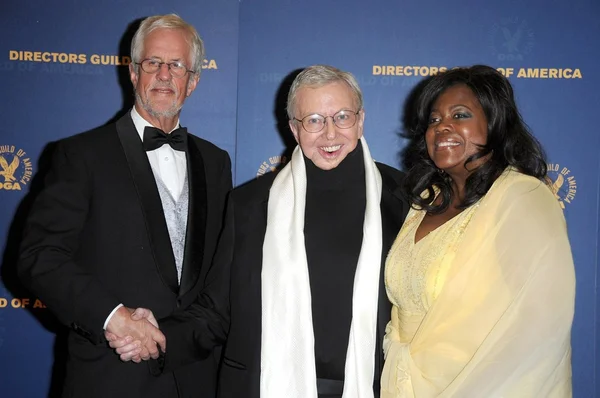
(155, 138)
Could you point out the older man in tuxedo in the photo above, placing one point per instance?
(129, 217)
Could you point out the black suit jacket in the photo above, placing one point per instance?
(230, 306)
(97, 237)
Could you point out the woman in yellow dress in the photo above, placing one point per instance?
(481, 275)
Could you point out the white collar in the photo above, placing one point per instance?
(140, 123)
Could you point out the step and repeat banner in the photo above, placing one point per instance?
(64, 70)
(548, 50)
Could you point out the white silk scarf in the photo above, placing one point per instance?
(287, 344)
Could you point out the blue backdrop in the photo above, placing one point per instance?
(64, 71)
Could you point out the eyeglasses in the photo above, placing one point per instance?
(177, 69)
(343, 119)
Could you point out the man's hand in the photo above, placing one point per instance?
(144, 313)
(135, 337)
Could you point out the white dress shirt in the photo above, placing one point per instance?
(168, 164)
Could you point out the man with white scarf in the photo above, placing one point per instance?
(296, 286)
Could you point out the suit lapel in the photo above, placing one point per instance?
(149, 198)
(393, 212)
(198, 211)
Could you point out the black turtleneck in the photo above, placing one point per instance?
(333, 230)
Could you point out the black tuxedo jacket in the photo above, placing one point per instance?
(230, 306)
(97, 237)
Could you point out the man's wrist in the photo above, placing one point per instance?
(108, 318)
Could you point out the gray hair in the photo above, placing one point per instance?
(169, 21)
(320, 75)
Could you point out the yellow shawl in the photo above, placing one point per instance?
(501, 324)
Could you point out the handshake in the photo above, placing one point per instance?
(135, 335)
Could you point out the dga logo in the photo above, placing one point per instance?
(272, 164)
(511, 39)
(562, 183)
(15, 168)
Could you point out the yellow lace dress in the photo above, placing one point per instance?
(414, 276)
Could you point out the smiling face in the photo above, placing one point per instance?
(160, 94)
(330, 146)
(457, 126)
